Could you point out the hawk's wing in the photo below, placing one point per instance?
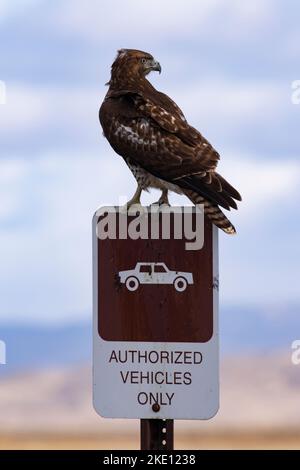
(157, 137)
(165, 112)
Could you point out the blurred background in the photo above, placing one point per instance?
(230, 65)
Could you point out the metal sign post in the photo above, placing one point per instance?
(157, 434)
(156, 355)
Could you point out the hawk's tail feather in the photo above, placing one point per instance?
(212, 187)
(213, 212)
(228, 188)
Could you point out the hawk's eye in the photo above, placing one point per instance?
(144, 60)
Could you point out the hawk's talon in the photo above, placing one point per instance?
(135, 200)
(161, 203)
(134, 208)
(163, 200)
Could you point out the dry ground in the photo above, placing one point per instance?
(52, 409)
(228, 441)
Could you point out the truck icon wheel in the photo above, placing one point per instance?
(180, 284)
(132, 283)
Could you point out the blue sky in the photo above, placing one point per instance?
(229, 65)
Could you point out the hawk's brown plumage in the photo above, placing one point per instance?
(162, 150)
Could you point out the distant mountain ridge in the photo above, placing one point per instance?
(242, 329)
(35, 347)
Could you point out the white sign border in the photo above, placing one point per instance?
(111, 401)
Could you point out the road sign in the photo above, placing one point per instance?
(155, 314)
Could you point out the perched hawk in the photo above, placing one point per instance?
(162, 150)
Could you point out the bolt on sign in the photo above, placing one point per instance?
(155, 283)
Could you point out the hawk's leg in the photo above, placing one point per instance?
(136, 198)
(163, 198)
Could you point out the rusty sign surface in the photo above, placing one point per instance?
(155, 315)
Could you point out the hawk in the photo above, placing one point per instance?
(162, 150)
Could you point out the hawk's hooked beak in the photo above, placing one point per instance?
(155, 66)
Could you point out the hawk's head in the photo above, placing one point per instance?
(135, 63)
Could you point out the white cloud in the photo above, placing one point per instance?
(12, 176)
(228, 102)
(262, 183)
(167, 19)
(31, 110)
(24, 109)
(9, 8)
(45, 251)
(47, 202)
(291, 44)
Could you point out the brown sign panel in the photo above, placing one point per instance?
(155, 290)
